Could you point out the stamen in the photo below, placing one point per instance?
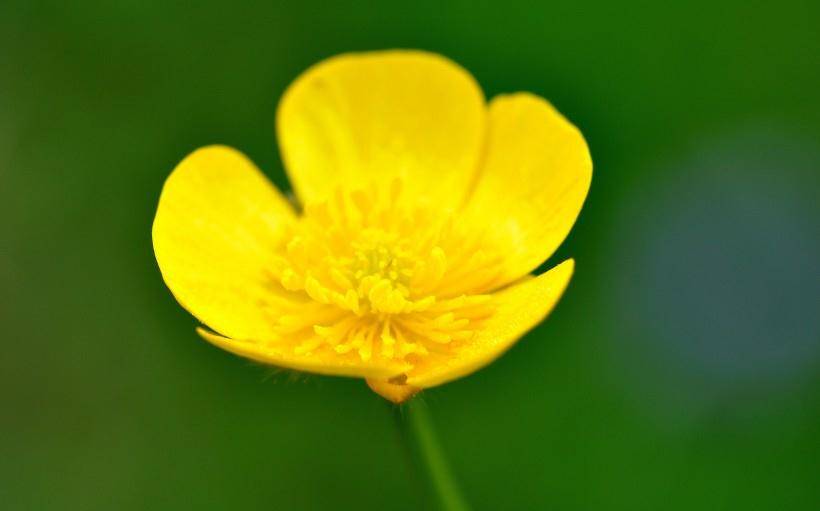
(382, 276)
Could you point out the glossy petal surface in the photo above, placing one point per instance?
(218, 223)
(533, 183)
(519, 308)
(281, 355)
(365, 118)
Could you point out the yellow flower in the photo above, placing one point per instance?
(424, 209)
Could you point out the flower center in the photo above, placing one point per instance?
(379, 270)
(383, 276)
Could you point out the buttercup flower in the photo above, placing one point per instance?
(423, 211)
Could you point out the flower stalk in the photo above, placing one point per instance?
(419, 434)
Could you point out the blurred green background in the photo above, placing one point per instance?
(681, 370)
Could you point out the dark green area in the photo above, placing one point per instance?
(108, 399)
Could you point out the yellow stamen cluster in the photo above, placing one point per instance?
(382, 275)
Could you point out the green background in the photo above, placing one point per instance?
(680, 371)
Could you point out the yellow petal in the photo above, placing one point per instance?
(218, 223)
(519, 308)
(397, 393)
(319, 363)
(534, 181)
(370, 117)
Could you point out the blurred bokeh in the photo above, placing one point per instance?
(681, 370)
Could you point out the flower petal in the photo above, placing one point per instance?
(535, 178)
(370, 117)
(519, 308)
(319, 363)
(218, 223)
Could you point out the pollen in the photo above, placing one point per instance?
(382, 274)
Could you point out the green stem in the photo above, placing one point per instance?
(421, 435)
